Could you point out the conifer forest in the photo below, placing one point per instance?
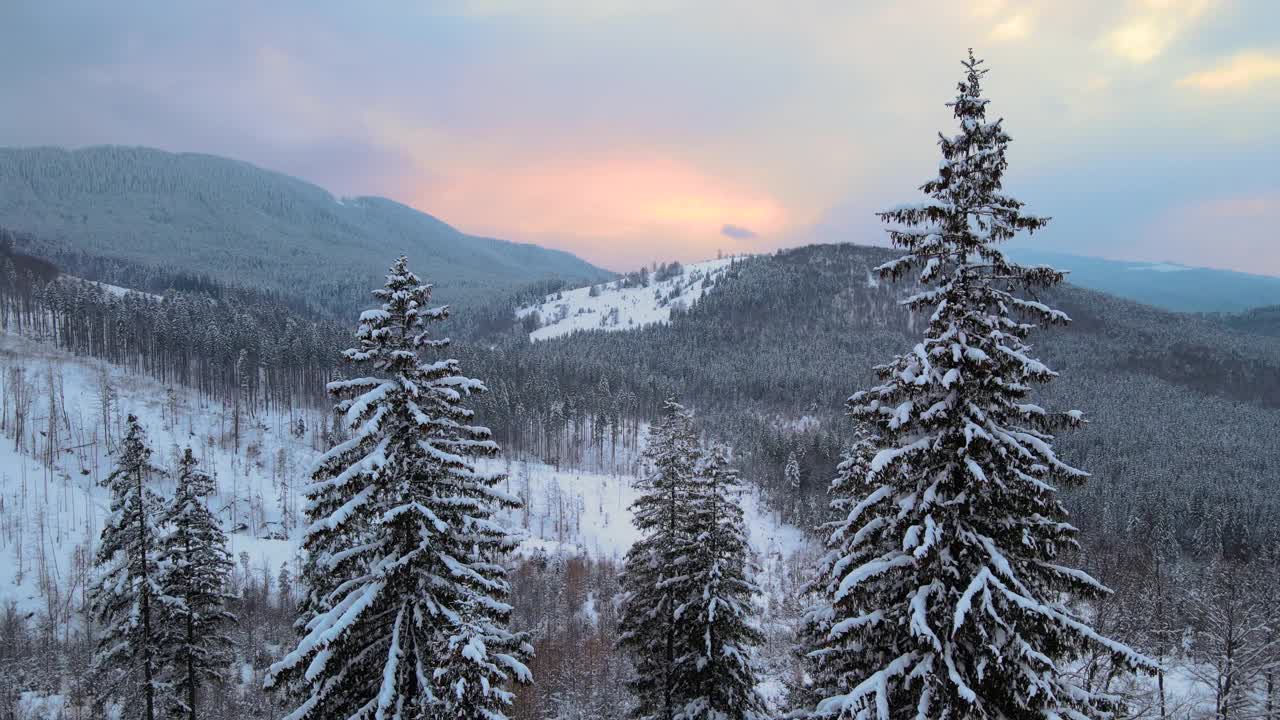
(354, 474)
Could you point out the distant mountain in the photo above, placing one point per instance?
(246, 226)
(1166, 285)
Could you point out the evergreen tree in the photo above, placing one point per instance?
(653, 579)
(405, 616)
(717, 680)
(125, 597)
(791, 474)
(193, 633)
(284, 582)
(946, 592)
(828, 653)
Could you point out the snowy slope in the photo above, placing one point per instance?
(623, 308)
(112, 290)
(51, 514)
(587, 513)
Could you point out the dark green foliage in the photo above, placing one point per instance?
(125, 597)
(195, 646)
(405, 613)
(654, 578)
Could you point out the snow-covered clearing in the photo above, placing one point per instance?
(112, 290)
(623, 308)
(587, 513)
(51, 512)
(51, 506)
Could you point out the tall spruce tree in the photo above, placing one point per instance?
(405, 617)
(654, 578)
(715, 620)
(195, 642)
(947, 597)
(126, 594)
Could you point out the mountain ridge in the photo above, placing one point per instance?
(1163, 284)
(250, 226)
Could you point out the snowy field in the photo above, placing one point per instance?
(582, 513)
(51, 505)
(615, 308)
(112, 290)
(51, 512)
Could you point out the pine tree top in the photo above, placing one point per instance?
(192, 482)
(967, 216)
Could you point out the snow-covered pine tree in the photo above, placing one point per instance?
(125, 597)
(948, 598)
(717, 680)
(467, 669)
(403, 551)
(195, 645)
(828, 654)
(653, 579)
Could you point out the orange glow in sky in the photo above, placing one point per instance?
(623, 209)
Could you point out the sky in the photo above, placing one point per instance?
(633, 131)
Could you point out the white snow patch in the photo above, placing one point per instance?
(572, 512)
(1162, 267)
(53, 512)
(615, 308)
(112, 290)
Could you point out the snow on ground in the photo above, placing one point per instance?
(587, 513)
(619, 308)
(113, 290)
(49, 516)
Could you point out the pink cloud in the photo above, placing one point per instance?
(619, 209)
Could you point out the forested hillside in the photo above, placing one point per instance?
(245, 226)
(779, 343)
(1182, 414)
(767, 357)
(1261, 320)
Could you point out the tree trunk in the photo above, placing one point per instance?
(147, 670)
(191, 662)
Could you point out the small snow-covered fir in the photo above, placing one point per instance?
(653, 580)
(687, 619)
(195, 644)
(126, 597)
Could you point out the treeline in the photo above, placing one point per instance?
(243, 351)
